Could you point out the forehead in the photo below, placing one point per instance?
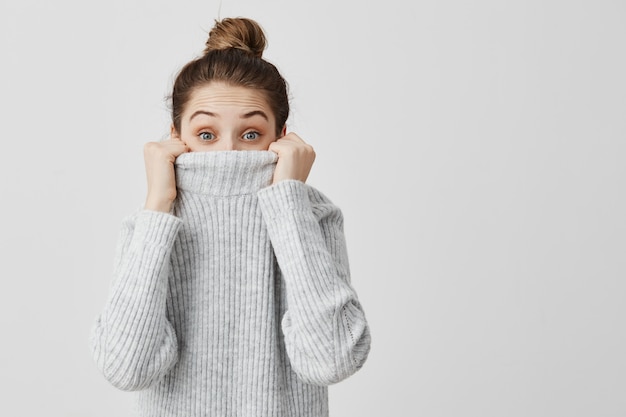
(221, 97)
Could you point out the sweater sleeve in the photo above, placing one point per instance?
(132, 342)
(327, 337)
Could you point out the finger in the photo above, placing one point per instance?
(287, 141)
(274, 146)
(292, 136)
(179, 148)
(177, 139)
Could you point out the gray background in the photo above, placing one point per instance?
(476, 148)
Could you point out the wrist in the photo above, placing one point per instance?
(162, 205)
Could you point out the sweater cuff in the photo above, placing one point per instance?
(157, 228)
(284, 196)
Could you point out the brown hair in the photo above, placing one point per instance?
(233, 55)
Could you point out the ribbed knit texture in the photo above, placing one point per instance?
(238, 303)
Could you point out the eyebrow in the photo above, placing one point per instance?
(243, 116)
(255, 113)
(208, 113)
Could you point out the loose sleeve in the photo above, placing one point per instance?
(132, 342)
(327, 337)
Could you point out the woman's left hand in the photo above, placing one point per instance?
(295, 158)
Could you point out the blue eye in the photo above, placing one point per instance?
(251, 135)
(206, 136)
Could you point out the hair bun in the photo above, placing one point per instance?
(239, 33)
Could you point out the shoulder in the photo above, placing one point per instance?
(297, 196)
(322, 206)
(316, 196)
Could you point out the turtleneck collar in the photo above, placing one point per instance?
(225, 173)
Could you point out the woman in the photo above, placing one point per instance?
(232, 292)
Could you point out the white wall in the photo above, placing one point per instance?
(476, 148)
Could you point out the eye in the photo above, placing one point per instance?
(251, 135)
(206, 136)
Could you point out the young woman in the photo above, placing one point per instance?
(231, 293)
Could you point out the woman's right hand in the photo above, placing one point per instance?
(159, 158)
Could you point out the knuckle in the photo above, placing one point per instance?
(148, 148)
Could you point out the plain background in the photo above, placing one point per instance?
(477, 149)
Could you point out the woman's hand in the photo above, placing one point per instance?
(295, 158)
(159, 158)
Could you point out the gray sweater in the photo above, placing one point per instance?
(238, 302)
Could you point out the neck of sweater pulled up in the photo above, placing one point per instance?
(225, 173)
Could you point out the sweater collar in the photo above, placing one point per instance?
(225, 173)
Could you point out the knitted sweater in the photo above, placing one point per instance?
(238, 302)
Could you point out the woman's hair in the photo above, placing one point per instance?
(233, 55)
